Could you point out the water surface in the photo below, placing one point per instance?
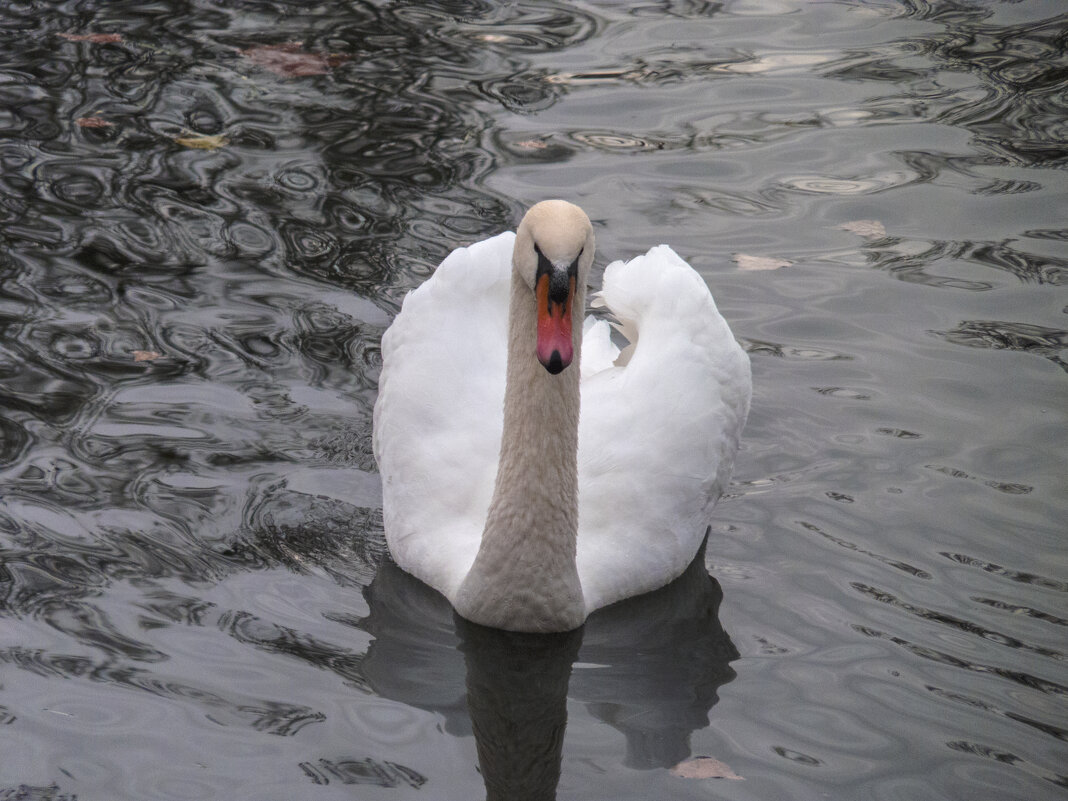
(209, 214)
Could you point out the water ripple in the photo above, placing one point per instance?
(1012, 575)
(966, 626)
(208, 220)
(232, 710)
(1019, 677)
(1053, 730)
(1007, 757)
(363, 771)
(1000, 335)
(907, 568)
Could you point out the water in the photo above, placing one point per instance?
(206, 231)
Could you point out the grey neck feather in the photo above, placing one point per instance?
(524, 577)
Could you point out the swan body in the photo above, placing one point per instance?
(531, 471)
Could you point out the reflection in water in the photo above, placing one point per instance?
(517, 698)
(1042, 341)
(649, 667)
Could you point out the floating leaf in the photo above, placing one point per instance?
(202, 141)
(145, 355)
(95, 38)
(782, 62)
(289, 60)
(704, 768)
(93, 122)
(869, 229)
(759, 262)
(531, 144)
(591, 77)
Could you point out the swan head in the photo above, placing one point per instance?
(553, 255)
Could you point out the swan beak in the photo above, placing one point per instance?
(554, 293)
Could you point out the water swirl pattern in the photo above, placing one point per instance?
(209, 214)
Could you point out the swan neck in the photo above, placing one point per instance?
(539, 445)
(524, 577)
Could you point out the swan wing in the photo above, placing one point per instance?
(439, 413)
(598, 350)
(658, 429)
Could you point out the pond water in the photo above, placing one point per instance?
(209, 214)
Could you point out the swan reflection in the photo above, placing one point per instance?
(649, 667)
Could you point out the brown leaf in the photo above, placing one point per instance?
(288, 60)
(145, 355)
(202, 141)
(704, 768)
(869, 229)
(93, 122)
(95, 38)
(759, 262)
(531, 144)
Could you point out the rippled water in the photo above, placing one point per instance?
(210, 212)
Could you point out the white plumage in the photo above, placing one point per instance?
(658, 427)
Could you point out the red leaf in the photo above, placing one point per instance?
(288, 60)
(95, 38)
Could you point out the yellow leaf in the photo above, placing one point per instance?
(202, 141)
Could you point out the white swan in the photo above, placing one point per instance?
(495, 491)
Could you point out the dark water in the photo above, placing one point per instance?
(209, 218)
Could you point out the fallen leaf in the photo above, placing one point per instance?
(531, 144)
(781, 62)
(870, 229)
(95, 38)
(94, 122)
(145, 355)
(591, 77)
(202, 141)
(288, 60)
(759, 262)
(704, 768)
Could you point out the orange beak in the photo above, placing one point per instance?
(555, 348)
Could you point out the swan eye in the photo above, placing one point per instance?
(544, 265)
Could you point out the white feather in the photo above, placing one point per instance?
(659, 423)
